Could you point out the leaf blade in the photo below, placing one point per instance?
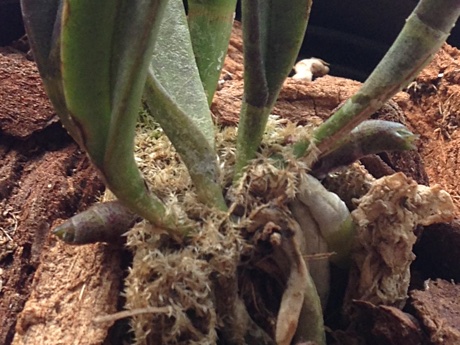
(180, 107)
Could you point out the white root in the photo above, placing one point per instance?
(328, 210)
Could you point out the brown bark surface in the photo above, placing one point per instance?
(50, 292)
(437, 307)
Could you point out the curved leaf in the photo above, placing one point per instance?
(86, 41)
(42, 20)
(425, 31)
(93, 57)
(369, 137)
(175, 96)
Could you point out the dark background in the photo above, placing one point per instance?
(351, 35)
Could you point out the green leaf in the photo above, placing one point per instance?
(210, 23)
(426, 29)
(42, 20)
(369, 137)
(273, 32)
(135, 32)
(93, 57)
(176, 99)
(173, 66)
(86, 49)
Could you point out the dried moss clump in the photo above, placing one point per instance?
(243, 275)
(185, 282)
(386, 217)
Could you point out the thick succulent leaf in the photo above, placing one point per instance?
(425, 31)
(210, 23)
(86, 42)
(273, 32)
(174, 67)
(42, 20)
(285, 27)
(137, 28)
(369, 137)
(40, 17)
(93, 57)
(176, 98)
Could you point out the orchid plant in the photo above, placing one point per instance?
(99, 59)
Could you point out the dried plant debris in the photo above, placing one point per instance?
(280, 249)
(313, 244)
(190, 278)
(166, 275)
(386, 217)
(239, 267)
(350, 183)
(197, 279)
(321, 215)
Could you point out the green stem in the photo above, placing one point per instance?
(210, 23)
(250, 132)
(425, 31)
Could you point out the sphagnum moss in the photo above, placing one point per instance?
(183, 278)
(197, 281)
